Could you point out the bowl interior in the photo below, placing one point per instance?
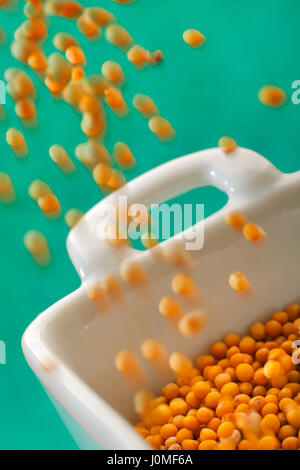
(88, 340)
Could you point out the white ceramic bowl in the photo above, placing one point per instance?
(92, 397)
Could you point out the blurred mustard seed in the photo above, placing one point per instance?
(49, 204)
(98, 15)
(271, 95)
(138, 56)
(68, 9)
(25, 109)
(123, 155)
(37, 61)
(114, 99)
(161, 128)
(16, 140)
(7, 192)
(152, 349)
(193, 37)
(20, 84)
(22, 48)
(238, 281)
(72, 217)
(37, 245)
(235, 219)
(126, 361)
(75, 55)
(77, 74)
(182, 284)
(116, 180)
(111, 284)
(148, 240)
(5, 183)
(252, 232)
(191, 323)
(124, 2)
(88, 27)
(113, 72)
(102, 173)
(92, 124)
(169, 307)
(180, 363)
(131, 272)
(118, 36)
(145, 105)
(38, 189)
(64, 40)
(59, 156)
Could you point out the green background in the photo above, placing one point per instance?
(205, 93)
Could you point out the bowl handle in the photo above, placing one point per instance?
(241, 174)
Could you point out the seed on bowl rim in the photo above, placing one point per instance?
(132, 272)
(48, 363)
(111, 284)
(94, 290)
(227, 144)
(148, 240)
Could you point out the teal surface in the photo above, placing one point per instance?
(204, 93)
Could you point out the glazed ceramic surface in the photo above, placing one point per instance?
(91, 395)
